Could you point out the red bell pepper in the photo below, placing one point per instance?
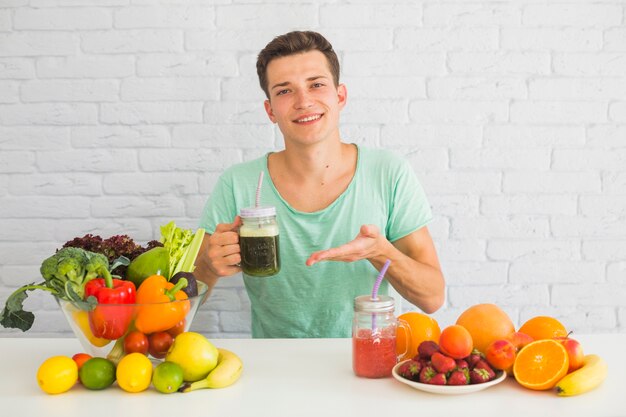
(111, 318)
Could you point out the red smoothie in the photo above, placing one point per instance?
(373, 356)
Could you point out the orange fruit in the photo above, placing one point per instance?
(455, 341)
(543, 327)
(541, 364)
(486, 323)
(423, 327)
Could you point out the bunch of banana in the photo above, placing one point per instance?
(584, 379)
(228, 370)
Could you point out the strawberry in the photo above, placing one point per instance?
(474, 357)
(461, 364)
(442, 363)
(439, 379)
(482, 372)
(410, 370)
(427, 348)
(426, 374)
(459, 377)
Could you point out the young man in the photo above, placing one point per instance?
(343, 210)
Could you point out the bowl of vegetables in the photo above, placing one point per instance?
(118, 297)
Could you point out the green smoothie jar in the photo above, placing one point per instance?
(259, 241)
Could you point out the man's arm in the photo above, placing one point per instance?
(414, 271)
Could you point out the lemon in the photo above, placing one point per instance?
(134, 372)
(57, 374)
(194, 353)
(97, 373)
(167, 377)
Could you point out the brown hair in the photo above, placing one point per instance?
(293, 43)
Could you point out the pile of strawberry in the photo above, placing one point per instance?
(431, 366)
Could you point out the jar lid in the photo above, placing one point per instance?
(383, 304)
(257, 212)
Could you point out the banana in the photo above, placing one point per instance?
(227, 372)
(588, 377)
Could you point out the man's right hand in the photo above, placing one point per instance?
(220, 253)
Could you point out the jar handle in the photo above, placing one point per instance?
(407, 328)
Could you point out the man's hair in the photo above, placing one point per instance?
(291, 43)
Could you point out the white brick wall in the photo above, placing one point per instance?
(117, 116)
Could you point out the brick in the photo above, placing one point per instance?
(454, 204)
(439, 228)
(518, 226)
(191, 159)
(577, 15)
(617, 112)
(385, 15)
(26, 230)
(90, 160)
(374, 64)
(349, 39)
(55, 185)
(396, 88)
(604, 250)
(616, 272)
(16, 161)
(108, 3)
(614, 183)
(580, 319)
(470, 15)
(615, 39)
(590, 64)
(591, 295)
(187, 65)
(194, 206)
(556, 272)
(54, 207)
(17, 68)
(235, 112)
(224, 300)
(132, 41)
(602, 206)
(251, 39)
(206, 322)
(461, 250)
(534, 250)
(17, 44)
(57, 114)
(506, 295)
(164, 17)
(74, 90)
(558, 112)
(170, 89)
(476, 88)
(116, 136)
(426, 159)
(551, 182)
(467, 182)
(148, 113)
(361, 134)
(588, 159)
(208, 136)
(437, 39)
(588, 227)
(541, 39)
(475, 273)
(557, 204)
(576, 88)
(13, 275)
(86, 67)
(83, 18)
(207, 182)
(244, 16)
(5, 20)
(446, 111)
(500, 62)
(242, 88)
(376, 112)
(231, 321)
(511, 135)
(434, 135)
(605, 136)
(500, 158)
(136, 206)
(9, 92)
(156, 183)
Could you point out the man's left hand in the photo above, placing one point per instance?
(366, 245)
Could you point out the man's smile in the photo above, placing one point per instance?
(309, 118)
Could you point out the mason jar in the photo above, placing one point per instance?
(259, 241)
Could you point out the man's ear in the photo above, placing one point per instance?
(269, 111)
(342, 95)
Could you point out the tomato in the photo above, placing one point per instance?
(178, 329)
(80, 359)
(160, 342)
(136, 342)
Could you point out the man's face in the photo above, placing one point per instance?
(303, 99)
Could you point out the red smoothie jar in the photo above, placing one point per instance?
(374, 336)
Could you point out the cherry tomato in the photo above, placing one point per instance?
(81, 358)
(178, 329)
(136, 341)
(160, 342)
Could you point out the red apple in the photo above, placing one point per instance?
(574, 352)
(500, 354)
(519, 340)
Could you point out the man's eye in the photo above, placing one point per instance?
(318, 85)
(281, 92)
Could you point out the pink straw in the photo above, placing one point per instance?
(258, 190)
(379, 279)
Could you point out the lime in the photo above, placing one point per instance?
(57, 374)
(134, 372)
(167, 377)
(97, 373)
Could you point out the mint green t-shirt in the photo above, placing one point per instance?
(317, 301)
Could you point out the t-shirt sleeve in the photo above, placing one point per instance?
(409, 208)
(220, 207)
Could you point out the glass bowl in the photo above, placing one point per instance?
(111, 323)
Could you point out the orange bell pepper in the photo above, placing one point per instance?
(161, 304)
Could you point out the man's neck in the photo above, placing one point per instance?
(315, 163)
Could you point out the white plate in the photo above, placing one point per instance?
(448, 389)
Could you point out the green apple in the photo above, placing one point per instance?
(195, 354)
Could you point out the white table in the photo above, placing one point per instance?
(303, 377)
